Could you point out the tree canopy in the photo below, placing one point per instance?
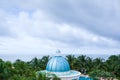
(95, 68)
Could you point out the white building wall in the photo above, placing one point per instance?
(70, 78)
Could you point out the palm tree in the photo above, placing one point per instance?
(22, 68)
(98, 74)
(2, 66)
(113, 64)
(41, 76)
(46, 76)
(5, 70)
(98, 63)
(35, 63)
(71, 59)
(89, 64)
(43, 62)
(82, 63)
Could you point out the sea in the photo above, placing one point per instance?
(28, 57)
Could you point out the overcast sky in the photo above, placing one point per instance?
(73, 26)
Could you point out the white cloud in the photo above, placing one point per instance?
(101, 17)
(36, 28)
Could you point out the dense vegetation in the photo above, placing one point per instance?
(96, 68)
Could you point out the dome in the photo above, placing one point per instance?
(57, 64)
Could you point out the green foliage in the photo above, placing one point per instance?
(97, 74)
(96, 68)
(46, 76)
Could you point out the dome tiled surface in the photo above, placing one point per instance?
(58, 64)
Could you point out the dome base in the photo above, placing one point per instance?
(71, 73)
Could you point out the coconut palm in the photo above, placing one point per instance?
(2, 67)
(113, 64)
(43, 62)
(82, 61)
(5, 70)
(35, 63)
(89, 64)
(98, 74)
(98, 63)
(72, 61)
(46, 76)
(20, 70)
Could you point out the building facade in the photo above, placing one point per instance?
(59, 66)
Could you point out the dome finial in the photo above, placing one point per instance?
(58, 52)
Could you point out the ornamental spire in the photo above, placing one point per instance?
(58, 52)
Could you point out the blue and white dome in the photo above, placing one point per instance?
(57, 64)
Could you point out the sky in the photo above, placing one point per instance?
(32, 27)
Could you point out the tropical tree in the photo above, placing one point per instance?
(98, 63)
(46, 76)
(96, 68)
(89, 64)
(5, 70)
(113, 64)
(2, 67)
(22, 68)
(35, 63)
(43, 62)
(82, 63)
(72, 61)
(100, 74)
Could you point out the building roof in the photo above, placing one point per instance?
(57, 64)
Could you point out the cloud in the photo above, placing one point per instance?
(101, 17)
(39, 25)
(4, 29)
(60, 24)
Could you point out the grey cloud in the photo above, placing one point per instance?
(101, 17)
(5, 29)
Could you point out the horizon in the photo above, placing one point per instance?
(28, 57)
